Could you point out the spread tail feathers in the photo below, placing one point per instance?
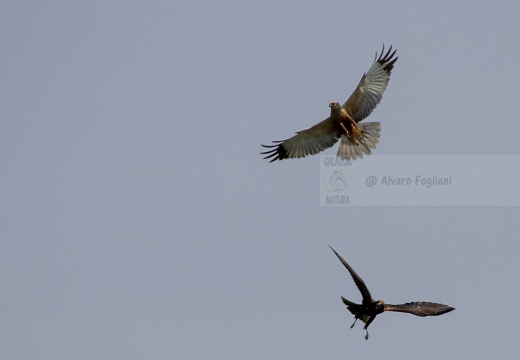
(349, 151)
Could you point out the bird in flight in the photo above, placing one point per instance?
(370, 308)
(356, 139)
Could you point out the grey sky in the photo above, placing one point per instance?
(138, 220)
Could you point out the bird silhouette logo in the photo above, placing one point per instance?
(338, 181)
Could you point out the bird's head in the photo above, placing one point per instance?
(335, 108)
(334, 105)
(380, 306)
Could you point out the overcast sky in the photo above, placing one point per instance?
(138, 220)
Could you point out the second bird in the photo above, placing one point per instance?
(369, 308)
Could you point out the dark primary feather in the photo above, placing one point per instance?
(367, 298)
(371, 87)
(278, 152)
(387, 59)
(420, 308)
(310, 141)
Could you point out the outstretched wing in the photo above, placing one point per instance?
(420, 308)
(306, 142)
(367, 298)
(370, 89)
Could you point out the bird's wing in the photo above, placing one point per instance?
(367, 298)
(371, 87)
(420, 308)
(306, 142)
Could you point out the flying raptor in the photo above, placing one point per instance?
(356, 139)
(370, 308)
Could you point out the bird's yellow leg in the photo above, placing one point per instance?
(356, 132)
(350, 118)
(351, 326)
(344, 129)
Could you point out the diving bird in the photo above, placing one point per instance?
(356, 139)
(370, 308)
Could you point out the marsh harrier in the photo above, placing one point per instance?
(369, 308)
(356, 139)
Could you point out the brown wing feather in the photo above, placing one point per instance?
(367, 298)
(306, 142)
(420, 308)
(370, 89)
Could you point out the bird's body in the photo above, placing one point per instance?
(343, 122)
(369, 308)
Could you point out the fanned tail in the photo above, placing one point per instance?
(349, 151)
